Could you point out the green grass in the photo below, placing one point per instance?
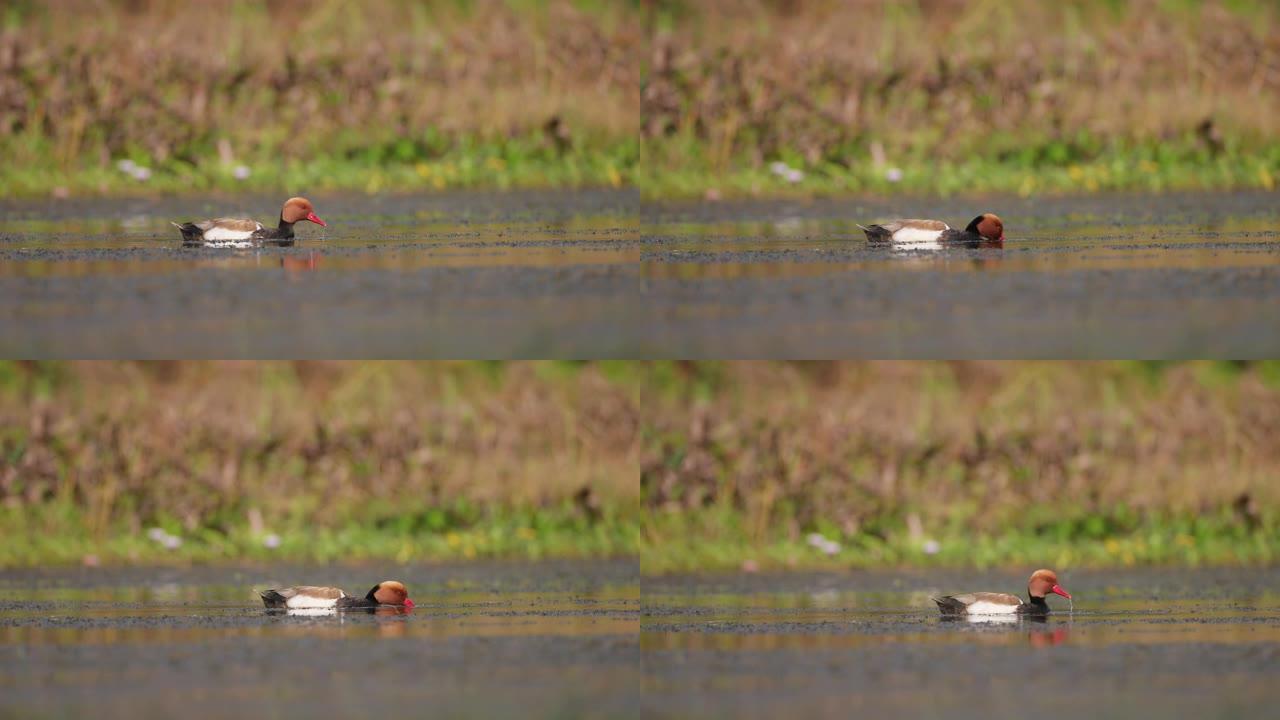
(1024, 170)
(58, 534)
(397, 166)
(715, 539)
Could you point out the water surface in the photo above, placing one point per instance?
(1135, 644)
(491, 275)
(599, 274)
(1109, 276)
(542, 640)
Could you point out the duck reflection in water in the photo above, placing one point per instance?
(301, 263)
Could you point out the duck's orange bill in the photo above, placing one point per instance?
(408, 604)
(316, 219)
(1058, 589)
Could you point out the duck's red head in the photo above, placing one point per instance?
(1044, 582)
(390, 592)
(297, 209)
(988, 226)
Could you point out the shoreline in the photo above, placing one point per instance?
(691, 558)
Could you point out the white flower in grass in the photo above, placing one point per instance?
(171, 542)
(822, 544)
(786, 172)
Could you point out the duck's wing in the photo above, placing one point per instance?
(230, 224)
(228, 229)
(917, 231)
(979, 603)
(906, 231)
(936, 226)
(303, 596)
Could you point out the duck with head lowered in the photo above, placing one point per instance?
(984, 231)
(312, 597)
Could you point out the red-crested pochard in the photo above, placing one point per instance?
(986, 230)
(387, 592)
(1041, 584)
(240, 230)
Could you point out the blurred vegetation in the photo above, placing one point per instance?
(973, 463)
(960, 95)
(713, 98)
(168, 95)
(154, 462)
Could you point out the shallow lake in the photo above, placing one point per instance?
(1146, 643)
(600, 274)
(484, 640)
(1109, 276)
(490, 275)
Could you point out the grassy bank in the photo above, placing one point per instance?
(1060, 464)
(941, 96)
(140, 97)
(143, 462)
(1178, 165)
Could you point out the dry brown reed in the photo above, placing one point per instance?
(844, 81)
(214, 445)
(295, 78)
(981, 446)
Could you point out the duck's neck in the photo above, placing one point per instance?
(1039, 604)
(284, 229)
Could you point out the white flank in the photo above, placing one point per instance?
(300, 602)
(230, 244)
(216, 234)
(311, 612)
(916, 236)
(989, 608)
(1007, 619)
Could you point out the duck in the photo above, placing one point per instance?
(1042, 583)
(243, 230)
(986, 230)
(312, 597)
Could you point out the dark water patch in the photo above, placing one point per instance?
(577, 311)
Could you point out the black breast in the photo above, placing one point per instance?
(966, 239)
(356, 603)
(282, 235)
(1037, 606)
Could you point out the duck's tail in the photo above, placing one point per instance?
(949, 605)
(875, 233)
(272, 599)
(190, 233)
